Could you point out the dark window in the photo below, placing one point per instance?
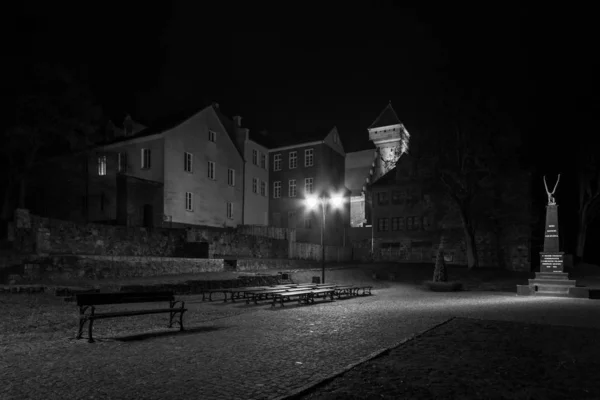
(382, 198)
(382, 224)
(409, 223)
(395, 223)
(396, 198)
(401, 226)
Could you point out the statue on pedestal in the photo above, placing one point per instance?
(551, 199)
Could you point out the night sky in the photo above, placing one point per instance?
(305, 68)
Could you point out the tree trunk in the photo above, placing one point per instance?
(471, 246)
(22, 192)
(581, 236)
(7, 202)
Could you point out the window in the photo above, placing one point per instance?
(187, 162)
(231, 177)
(396, 199)
(395, 223)
(292, 188)
(307, 223)
(263, 161)
(382, 198)
(426, 223)
(212, 136)
(277, 189)
(409, 223)
(308, 185)
(401, 224)
(293, 159)
(230, 210)
(308, 157)
(277, 162)
(417, 223)
(146, 158)
(382, 224)
(189, 205)
(263, 188)
(122, 162)
(254, 156)
(291, 219)
(102, 165)
(211, 170)
(254, 185)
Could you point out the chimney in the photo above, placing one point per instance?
(215, 105)
(128, 125)
(238, 121)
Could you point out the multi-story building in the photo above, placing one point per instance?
(188, 170)
(390, 140)
(256, 179)
(310, 166)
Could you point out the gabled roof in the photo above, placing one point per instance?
(291, 139)
(386, 118)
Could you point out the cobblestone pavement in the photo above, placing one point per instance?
(261, 353)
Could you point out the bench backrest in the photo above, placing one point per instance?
(95, 299)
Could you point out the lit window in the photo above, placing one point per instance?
(277, 162)
(293, 159)
(263, 161)
(308, 185)
(254, 185)
(231, 177)
(189, 204)
(255, 157)
(292, 188)
(263, 188)
(146, 158)
(308, 157)
(211, 170)
(122, 162)
(230, 210)
(212, 136)
(277, 189)
(187, 162)
(102, 165)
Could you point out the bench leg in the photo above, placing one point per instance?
(90, 338)
(82, 321)
(225, 297)
(181, 317)
(281, 298)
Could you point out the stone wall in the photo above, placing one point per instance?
(38, 235)
(74, 268)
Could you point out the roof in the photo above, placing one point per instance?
(293, 139)
(159, 126)
(262, 138)
(387, 117)
(387, 179)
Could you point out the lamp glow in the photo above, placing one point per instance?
(311, 202)
(336, 201)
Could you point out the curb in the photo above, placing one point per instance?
(304, 390)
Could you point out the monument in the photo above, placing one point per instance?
(551, 280)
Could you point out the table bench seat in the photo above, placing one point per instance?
(304, 296)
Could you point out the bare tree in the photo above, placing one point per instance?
(589, 195)
(54, 114)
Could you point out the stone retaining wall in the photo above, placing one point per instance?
(73, 268)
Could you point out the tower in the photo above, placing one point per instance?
(390, 138)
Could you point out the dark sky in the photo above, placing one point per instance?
(295, 69)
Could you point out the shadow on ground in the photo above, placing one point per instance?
(152, 335)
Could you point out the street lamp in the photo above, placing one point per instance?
(335, 201)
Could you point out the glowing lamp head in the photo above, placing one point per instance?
(336, 201)
(311, 202)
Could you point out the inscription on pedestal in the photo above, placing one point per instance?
(551, 262)
(551, 233)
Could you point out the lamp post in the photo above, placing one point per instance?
(313, 202)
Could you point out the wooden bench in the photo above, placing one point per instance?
(89, 302)
(344, 290)
(304, 296)
(366, 290)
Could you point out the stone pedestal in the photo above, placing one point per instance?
(551, 280)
